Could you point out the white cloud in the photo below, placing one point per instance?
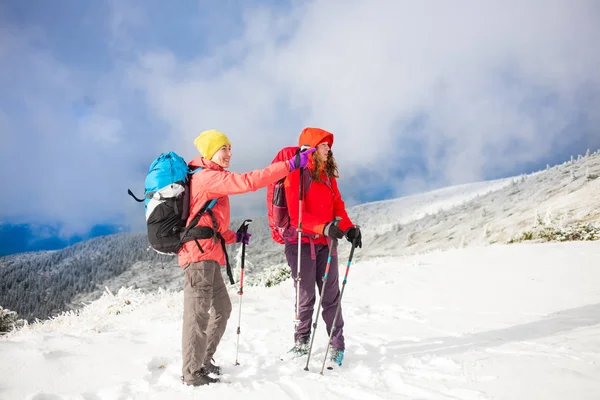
(61, 167)
(491, 86)
(477, 72)
(124, 17)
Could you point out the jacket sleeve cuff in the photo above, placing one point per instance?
(318, 229)
(229, 236)
(345, 224)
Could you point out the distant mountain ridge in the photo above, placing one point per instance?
(21, 238)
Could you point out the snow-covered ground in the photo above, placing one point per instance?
(515, 321)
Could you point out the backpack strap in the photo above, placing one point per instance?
(133, 195)
(194, 232)
(223, 246)
(218, 236)
(306, 182)
(206, 207)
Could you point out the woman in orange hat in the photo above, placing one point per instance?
(322, 204)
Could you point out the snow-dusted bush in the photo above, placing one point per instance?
(554, 232)
(9, 320)
(273, 276)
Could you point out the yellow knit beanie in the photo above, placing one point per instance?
(209, 142)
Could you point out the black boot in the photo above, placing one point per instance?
(200, 378)
(211, 368)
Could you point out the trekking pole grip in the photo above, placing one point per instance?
(244, 229)
(354, 241)
(336, 222)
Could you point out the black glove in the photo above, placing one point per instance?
(333, 231)
(353, 235)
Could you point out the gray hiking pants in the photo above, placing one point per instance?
(203, 290)
(311, 275)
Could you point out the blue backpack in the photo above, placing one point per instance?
(167, 203)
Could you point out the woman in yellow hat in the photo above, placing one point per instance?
(202, 258)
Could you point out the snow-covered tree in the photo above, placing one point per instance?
(9, 320)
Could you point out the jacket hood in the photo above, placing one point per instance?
(313, 136)
(201, 162)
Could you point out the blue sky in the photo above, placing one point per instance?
(419, 96)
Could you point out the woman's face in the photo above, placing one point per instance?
(323, 151)
(223, 156)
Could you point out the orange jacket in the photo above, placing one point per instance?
(322, 201)
(214, 182)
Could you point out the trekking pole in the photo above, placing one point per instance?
(300, 207)
(337, 310)
(325, 276)
(244, 229)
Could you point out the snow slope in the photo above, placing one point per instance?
(515, 321)
(484, 213)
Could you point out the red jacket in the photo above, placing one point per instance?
(322, 201)
(215, 182)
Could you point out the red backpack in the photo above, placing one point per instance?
(277, 211)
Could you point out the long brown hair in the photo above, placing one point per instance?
(330, 167)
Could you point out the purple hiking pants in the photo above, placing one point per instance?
(311, 274)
